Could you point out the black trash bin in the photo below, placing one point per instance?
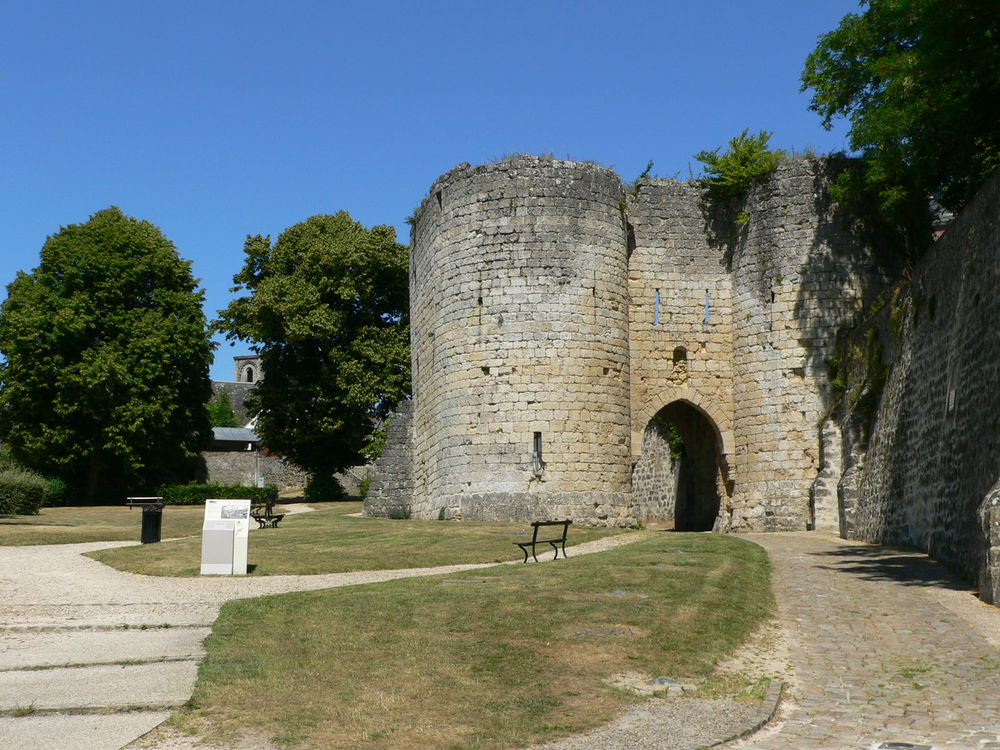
(152, 516)
(152, 522)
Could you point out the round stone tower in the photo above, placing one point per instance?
(519, 314)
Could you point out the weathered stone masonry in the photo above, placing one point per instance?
(556, 317)
(929, 475)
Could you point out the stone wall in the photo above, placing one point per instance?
(238, 393)
(654, 479)
(798, 275)
(519, 319)
(244, 467)
(930, 473)
(392, 479)
(679, 353)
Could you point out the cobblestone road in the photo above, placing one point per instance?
(886, 647)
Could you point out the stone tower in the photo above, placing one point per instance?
(609, 356)
(519, 310)
(249, 368)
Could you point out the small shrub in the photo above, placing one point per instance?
(364, 486)
(22, 492)
(197, 494)
(747, 160)
(57, 491)
(323, 488)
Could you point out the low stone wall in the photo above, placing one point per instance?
(245, 467)
(392, 478)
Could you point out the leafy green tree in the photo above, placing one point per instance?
(106, 352)
(919, 82)
(221, 412)
(327, 310)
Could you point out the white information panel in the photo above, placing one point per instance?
(224, 537)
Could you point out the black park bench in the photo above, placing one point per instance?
(262, 511)
(553, 537)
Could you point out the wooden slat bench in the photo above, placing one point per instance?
(555, 541)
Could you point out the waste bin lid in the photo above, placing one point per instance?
(144, 502)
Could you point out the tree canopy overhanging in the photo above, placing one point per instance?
(919, 83)
(327, 310)
(107, 356)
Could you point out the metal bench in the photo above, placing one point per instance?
(262, 511)
(555, 541)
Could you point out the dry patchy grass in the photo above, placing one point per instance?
(514, 655)
(114, 523)
(333, 540)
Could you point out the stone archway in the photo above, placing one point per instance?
(676, 478)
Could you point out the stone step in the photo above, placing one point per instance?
(109, 615)
(111, 687)
(80, 732)
(88, 646)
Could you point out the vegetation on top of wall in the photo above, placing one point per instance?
(632, 188)
(747, 160)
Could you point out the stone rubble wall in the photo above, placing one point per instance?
(655, 478)
(391, 489)
(244, 467)
(930, 473)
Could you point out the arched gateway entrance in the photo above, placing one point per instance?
(677, 476)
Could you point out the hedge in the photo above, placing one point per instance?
(22, 492)
(197, 494)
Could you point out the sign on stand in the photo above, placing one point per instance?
(224, 536)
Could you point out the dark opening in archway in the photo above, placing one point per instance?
(678, 474)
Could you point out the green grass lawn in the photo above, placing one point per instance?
(333, 540)
(494, 658)
(115, 523)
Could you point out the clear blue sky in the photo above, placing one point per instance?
(218, 119)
